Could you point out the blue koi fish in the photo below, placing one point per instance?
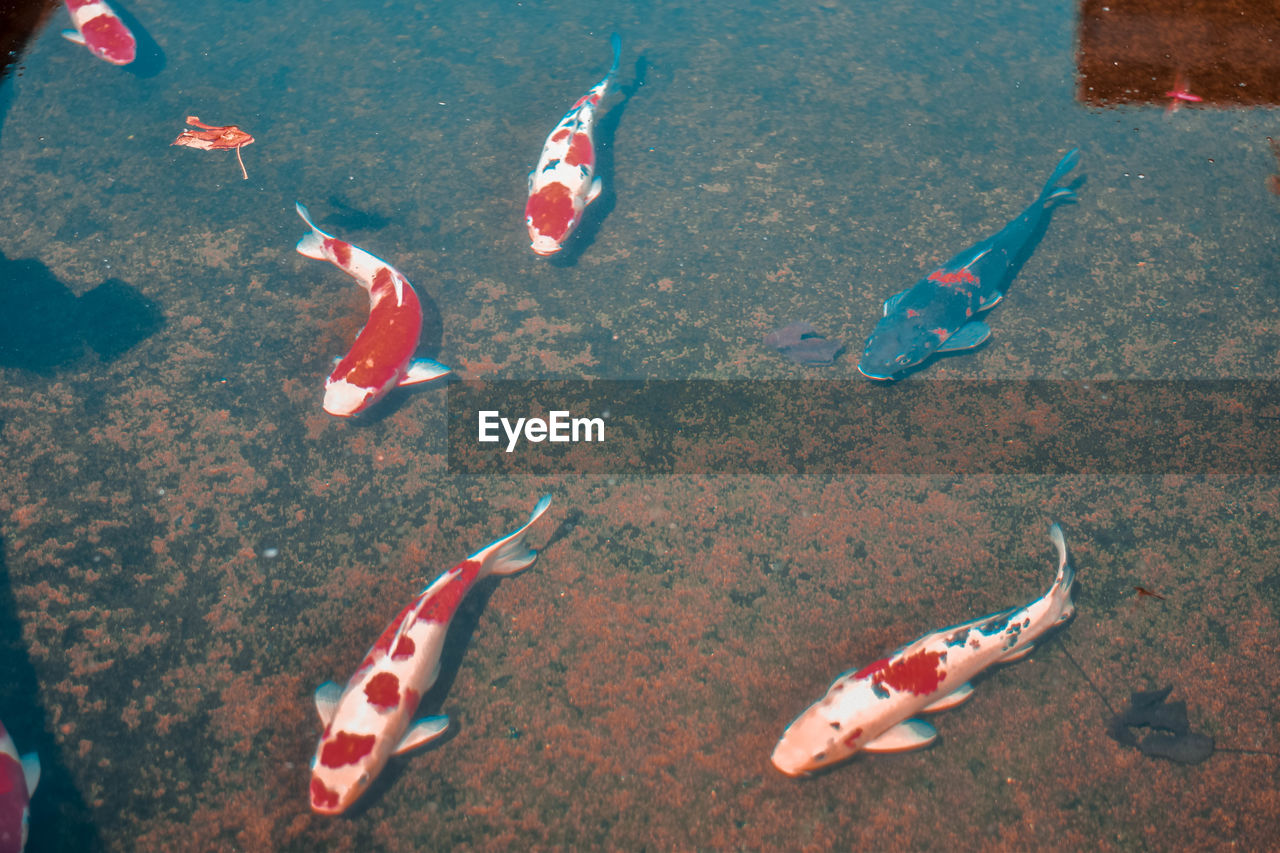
(938, 313)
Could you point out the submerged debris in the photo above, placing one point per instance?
(1172, 738)
(801, 343)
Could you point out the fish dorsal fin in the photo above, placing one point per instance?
(970, 335)
(952, 699)
(977, 257)
(398, 281)
(422, 731)
(31, 771)
(423, 370)
(907, 735)
(412, 616)
(892, 302)
(327, 696)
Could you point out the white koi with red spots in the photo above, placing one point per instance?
(100, 29)
(382, 356)
(564, 182)
(871, 709)
(18, 780)
(369, 721)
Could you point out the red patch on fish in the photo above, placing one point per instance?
(449, 595)
(321, 796)
(404, 648)
(346, 748)
(550, 211)
(560, 134)
(918, 673)
(383, 690)
(960, 276)
(110, 39)
(580, 151)
(341, 250)
(411, 698)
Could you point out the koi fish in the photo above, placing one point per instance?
(100, 29)
(870, 709)
(369, 721)
(564, 183)
(382, 356)
(18, 780)
(938, 313)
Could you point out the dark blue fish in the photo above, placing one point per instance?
(938, 314)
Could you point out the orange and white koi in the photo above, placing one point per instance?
(382, 356)
(564, 182)
(18, 780)
(369, 721)
(871, 709)
(100, 29)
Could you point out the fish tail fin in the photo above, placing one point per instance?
(1051, 192)
(615, 41)
(510, 554)
(1060, 592)
(311, 245)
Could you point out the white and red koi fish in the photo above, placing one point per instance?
(369, 721)
(870, 709)
(564, 182)
(18, 780)
(100, 29)
(382, 356)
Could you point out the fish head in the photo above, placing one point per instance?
(899, 342)
(551, 214)
(342, 769)
(821, 736)
(343, 399)
(543, 245)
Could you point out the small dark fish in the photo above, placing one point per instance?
(939, 314)
(801, 343)
(1172, 738)
(1142, 590)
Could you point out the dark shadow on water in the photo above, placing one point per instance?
(60, 818)
(44, 326)
(347, 217)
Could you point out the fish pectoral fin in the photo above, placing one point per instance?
(892, 302)
(31, 771)
(73, 35)
(596, 187)
(422, 731)
(1018, 653)
(970, 335)
(907, 735)
(423, 370)
(990, 303)
(952, 699)
(327, 696)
